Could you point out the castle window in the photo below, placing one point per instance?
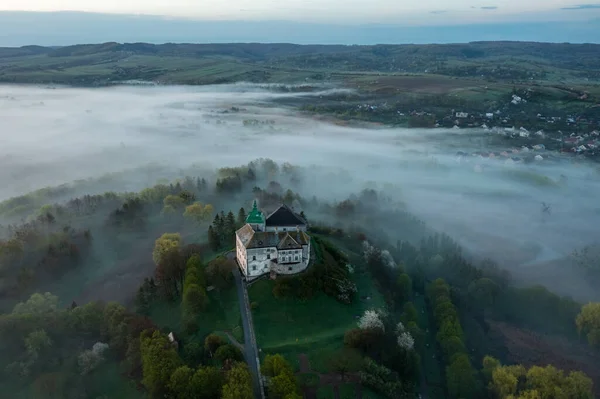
(295, 258)
(253, 267)
(268, 256)
(254, 257)
(290, 268)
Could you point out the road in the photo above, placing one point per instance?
(250, 349)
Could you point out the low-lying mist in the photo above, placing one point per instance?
(51, 136)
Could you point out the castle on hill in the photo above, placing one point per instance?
(276, 243)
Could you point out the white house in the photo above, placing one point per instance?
(462, 114)
(276, 243)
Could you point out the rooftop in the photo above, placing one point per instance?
(255, 216)
(284, 216)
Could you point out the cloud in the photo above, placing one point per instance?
(489, 8)
(582, 7)
(85, 135)
(438, 12)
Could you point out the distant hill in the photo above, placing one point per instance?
(66, 28)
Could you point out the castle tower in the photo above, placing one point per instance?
(255, 218)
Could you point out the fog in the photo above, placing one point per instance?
(51, 136)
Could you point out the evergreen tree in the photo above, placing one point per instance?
(221, 227)
(241, 218)
(230, 225)
(213, 239)
(302, 215)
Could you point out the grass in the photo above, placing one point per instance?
(325, 392)
(347, 391)
(107, 381)
(222, 314)
(316, 326)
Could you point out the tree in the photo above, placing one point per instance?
(38, 304)
(195, 298)
(346, 360)
(229, 226)
(213, 239)
(483, 292)
(409, 313)
(577, 385)
(283, 385)
(588, 322)
(404, 284)
(174, 202)
(219, 272)
(452, 346)
(37, 342)
(198, 213)
(460, 378)
(228, 352)
(416, 332)
(165, 244)
(371, 320)
(489, 365)
(180, 383)
(403, 337)
(365, 340)
(505, 380)
(238, 383)
(241, 217)
(274, 365)
(159, 361)
(212, 343)
(449, 328)
(170, 273)
(207, 382)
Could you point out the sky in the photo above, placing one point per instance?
(330, 11)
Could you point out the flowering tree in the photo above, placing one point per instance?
(90, 359)
(370, 320)
(405, 340)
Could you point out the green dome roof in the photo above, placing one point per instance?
(255, 216)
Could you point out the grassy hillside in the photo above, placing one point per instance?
(97, 64)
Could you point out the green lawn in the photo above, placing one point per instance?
(222, 314)
(107, 381)
(347, 391)
(325, 392)
(315, 327)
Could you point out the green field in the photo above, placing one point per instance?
(222, 314)
(314, 327)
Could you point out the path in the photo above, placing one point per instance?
(250, 349)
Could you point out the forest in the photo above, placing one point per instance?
(406, 311)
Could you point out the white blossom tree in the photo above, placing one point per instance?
(90, 359)
(371, 320)
(405, 340)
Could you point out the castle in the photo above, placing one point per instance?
(277, 243)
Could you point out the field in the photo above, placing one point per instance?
(222, 315)
(314, 327)
(530, 348)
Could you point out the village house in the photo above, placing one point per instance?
(277, 243)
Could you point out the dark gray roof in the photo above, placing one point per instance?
(288, 243)
(262, 239)
(284, 216)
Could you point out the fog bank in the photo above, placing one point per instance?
(54, 136)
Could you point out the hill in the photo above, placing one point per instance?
(100, 64)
